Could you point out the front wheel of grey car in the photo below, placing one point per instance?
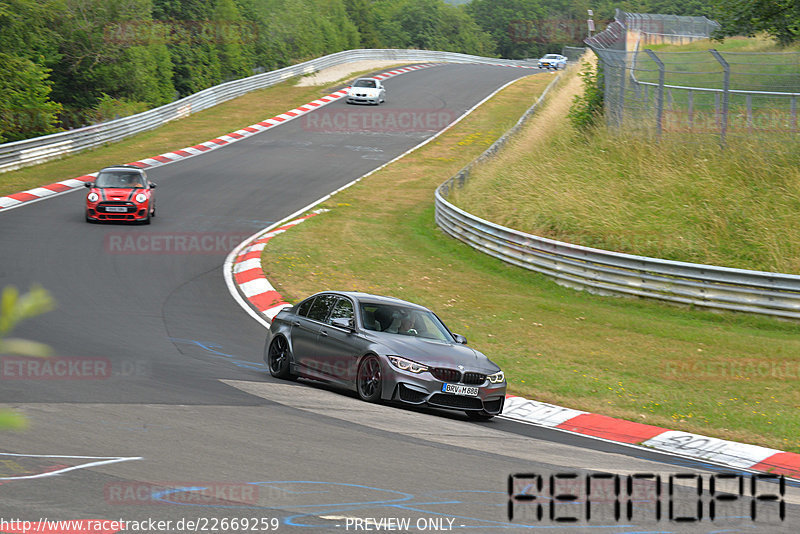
(479, 415)
(278, 359)
(369, 379)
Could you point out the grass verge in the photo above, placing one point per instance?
(693, 202)
(198, 128)
(721, 374)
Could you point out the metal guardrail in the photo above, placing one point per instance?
(607, 272)
(40, 149)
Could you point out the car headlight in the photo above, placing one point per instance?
(497, 377)
(141, 197)
(92, 197)
(407, 365)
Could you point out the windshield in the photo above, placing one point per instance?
(364, 83)
(551, 56)
(125, 179)
(403, 321)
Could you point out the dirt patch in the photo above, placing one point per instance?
(332, 74)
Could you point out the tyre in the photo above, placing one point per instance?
(479, 415)
(278, 359)
(369, 380)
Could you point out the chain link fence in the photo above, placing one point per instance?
(693, 92)
(573, 53)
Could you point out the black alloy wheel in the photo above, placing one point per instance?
(369, 380)
(278, 359)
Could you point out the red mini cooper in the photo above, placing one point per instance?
(121, 193)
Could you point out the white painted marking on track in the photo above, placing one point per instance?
(101, 460)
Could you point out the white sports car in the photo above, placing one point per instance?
(366, 91)
(553, 61)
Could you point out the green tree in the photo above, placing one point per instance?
(778, 18)
(113, 48)
(513, 24)
(231, 33)
(25, 107)
(361, 12)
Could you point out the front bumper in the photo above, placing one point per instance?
(424, 389)
(133, 212)
(363, 100)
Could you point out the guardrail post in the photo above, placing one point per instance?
(726, 87)
(660, 94)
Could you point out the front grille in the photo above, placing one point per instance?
(129, 206)
(474, 379)
(407, 394)
(446, 375)
(456, 401)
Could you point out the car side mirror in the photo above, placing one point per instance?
(343, 322)
(460, 339)
(153, 185)
(88, 184)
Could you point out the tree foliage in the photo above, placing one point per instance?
(778, 18)
(67, 63)
(25, 107)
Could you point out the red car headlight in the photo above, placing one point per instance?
(92, 197)
(141, 198)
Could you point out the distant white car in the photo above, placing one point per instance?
(553, 61)
(366, 91)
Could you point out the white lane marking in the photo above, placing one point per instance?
(101, 460)
(227, 269)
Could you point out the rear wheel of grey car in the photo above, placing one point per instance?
(278, 359)
(479, 416)
(370, 380)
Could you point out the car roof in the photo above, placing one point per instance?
(374, 299)
(123, 168)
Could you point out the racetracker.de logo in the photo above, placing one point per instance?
(382, 120)
(198, 493)
(24, 368)
(172, 243)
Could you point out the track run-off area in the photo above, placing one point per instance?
(172, 417)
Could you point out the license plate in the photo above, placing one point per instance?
(116, 209)
(455, 389)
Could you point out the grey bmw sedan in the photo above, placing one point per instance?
(384, 349)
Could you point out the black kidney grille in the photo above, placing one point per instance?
(474, 379)
(446, 375)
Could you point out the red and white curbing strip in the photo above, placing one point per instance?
(719, 451)
(65, 186)
(249, 275)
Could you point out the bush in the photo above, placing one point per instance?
(587, 108)
(108, 108)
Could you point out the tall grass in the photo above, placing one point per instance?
(675, 199)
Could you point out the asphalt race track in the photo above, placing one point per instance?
(173, 417)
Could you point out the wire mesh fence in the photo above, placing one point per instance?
(573, 53)
(695, 92)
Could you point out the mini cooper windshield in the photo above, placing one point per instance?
(403, 321)
(122, 179)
